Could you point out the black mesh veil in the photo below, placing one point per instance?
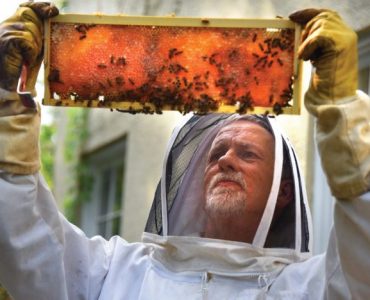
(186, 142)
(184, 170)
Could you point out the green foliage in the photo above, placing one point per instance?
(71, 209)
(80, 193)
(47, 152)
(76, 134)
(79, 175)
(61, 4)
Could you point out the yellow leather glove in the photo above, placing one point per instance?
(343, 114)
(331, 46)
(20, 43)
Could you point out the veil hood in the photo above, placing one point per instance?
(177, 208)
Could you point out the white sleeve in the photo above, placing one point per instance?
(343, 136)
(343, 139)
(352, 230)
(42, 255)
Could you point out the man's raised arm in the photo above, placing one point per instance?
(343, 138)
(42, 255)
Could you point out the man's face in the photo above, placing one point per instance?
(239, 170)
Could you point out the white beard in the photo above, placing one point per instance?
(225, 202)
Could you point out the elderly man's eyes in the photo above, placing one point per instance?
(247, 154)
(215, 155)
(242, 153)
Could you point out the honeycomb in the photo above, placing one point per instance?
(197, 69)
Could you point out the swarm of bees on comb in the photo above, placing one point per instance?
(148, 69)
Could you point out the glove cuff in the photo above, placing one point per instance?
(314, 104)
(8, 95)
(19, 138)
(344, 143)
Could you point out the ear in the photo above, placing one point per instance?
(286, 193)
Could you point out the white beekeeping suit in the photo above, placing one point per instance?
(43, 256)
(180, 263)
(52, 259)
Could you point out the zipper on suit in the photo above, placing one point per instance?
(206, 277)
(262, 282)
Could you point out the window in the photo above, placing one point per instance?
(364, 59)
(109, 214)
(101, 213)
(364, 79)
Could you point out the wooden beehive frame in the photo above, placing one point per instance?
(273, 24)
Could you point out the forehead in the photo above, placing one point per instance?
(247, 130)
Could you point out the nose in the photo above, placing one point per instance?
(228, 162)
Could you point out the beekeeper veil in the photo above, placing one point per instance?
(178, 206)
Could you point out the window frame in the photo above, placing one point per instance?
(364, 55)
(105, 159)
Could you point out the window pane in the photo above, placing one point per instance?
(363, 82)
(118, 189)
(111, 201)
(103, 214)
(104, 192)
(116, 226)
(102, 228)
(104, 202)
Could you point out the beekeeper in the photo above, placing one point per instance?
(186, 253)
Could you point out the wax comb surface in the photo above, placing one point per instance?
(187, 66)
